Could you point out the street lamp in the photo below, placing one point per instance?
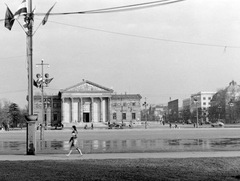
(145, 105)
(219, 110)
(195, 102)
(42, 81)
(231, 104)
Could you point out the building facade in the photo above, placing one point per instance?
(225, 104)
(126, 107)
(175, 110)
(200, 103)
(87, 102)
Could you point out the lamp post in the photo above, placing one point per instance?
(145, 105)
(41, 83)
(195, 102)
(219, 110)
(231, 104)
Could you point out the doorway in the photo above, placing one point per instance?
(86, 118)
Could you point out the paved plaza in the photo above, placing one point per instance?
(120, 156)
(165, 133)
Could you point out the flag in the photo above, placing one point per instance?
(35, 83)
(44, 21)
(22, 10)
(9, 19)
(47, 81)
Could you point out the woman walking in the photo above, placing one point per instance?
(73, 141)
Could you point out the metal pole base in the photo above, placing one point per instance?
(31, 138)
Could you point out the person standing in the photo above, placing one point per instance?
(73, 141)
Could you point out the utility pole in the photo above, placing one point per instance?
(31, 119)
(145, 105)
(43, 122)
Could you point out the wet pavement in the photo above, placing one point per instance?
(127, 146)
(120, 156)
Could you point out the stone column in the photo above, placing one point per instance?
(109, 108)
(79, 110)
(62, 111)
(101, 109)
(71, 111)
(92, 109)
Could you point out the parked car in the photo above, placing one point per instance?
(116, 125)
(218, 124)
(189, 121)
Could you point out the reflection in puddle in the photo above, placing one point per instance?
(127, 146)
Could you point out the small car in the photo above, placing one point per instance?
(218, 124)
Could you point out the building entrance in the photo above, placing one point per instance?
(86, 118)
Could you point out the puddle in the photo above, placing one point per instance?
(127, 146)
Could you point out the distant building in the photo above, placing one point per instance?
(186, 109)
(225, 104)
(175, 110)
(87, 102)
(201, 101)
(125, 107)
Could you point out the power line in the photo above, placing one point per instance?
(12, 57)
(9, 92)
(149, 38)
(120, 8)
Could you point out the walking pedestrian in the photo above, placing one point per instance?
(73, 141)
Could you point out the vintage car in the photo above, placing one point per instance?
(218, 124)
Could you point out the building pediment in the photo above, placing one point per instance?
(87, 86)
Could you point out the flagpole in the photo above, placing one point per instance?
(31, 131)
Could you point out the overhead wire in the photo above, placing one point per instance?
(12, 57)
(147, 37)
(117, 9)
(8, 92)
(120, 8)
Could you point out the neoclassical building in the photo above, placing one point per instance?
(87, 102)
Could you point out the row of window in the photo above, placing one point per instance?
(125, 104)
(124, 116)
(55, 105)
(204, 98)
(204, 103)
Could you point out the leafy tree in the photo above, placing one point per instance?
(14, 114)
(4, 118)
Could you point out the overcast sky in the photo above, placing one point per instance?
(125, 50)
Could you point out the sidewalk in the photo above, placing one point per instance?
(120, 156)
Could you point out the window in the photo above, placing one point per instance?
(133, 103)
(55, 117)
(124, 116)
(204, 103)
(204, 98)
(115, 116)
(133, 115)
(209, 98)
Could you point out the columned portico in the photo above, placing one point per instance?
(86, 102)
